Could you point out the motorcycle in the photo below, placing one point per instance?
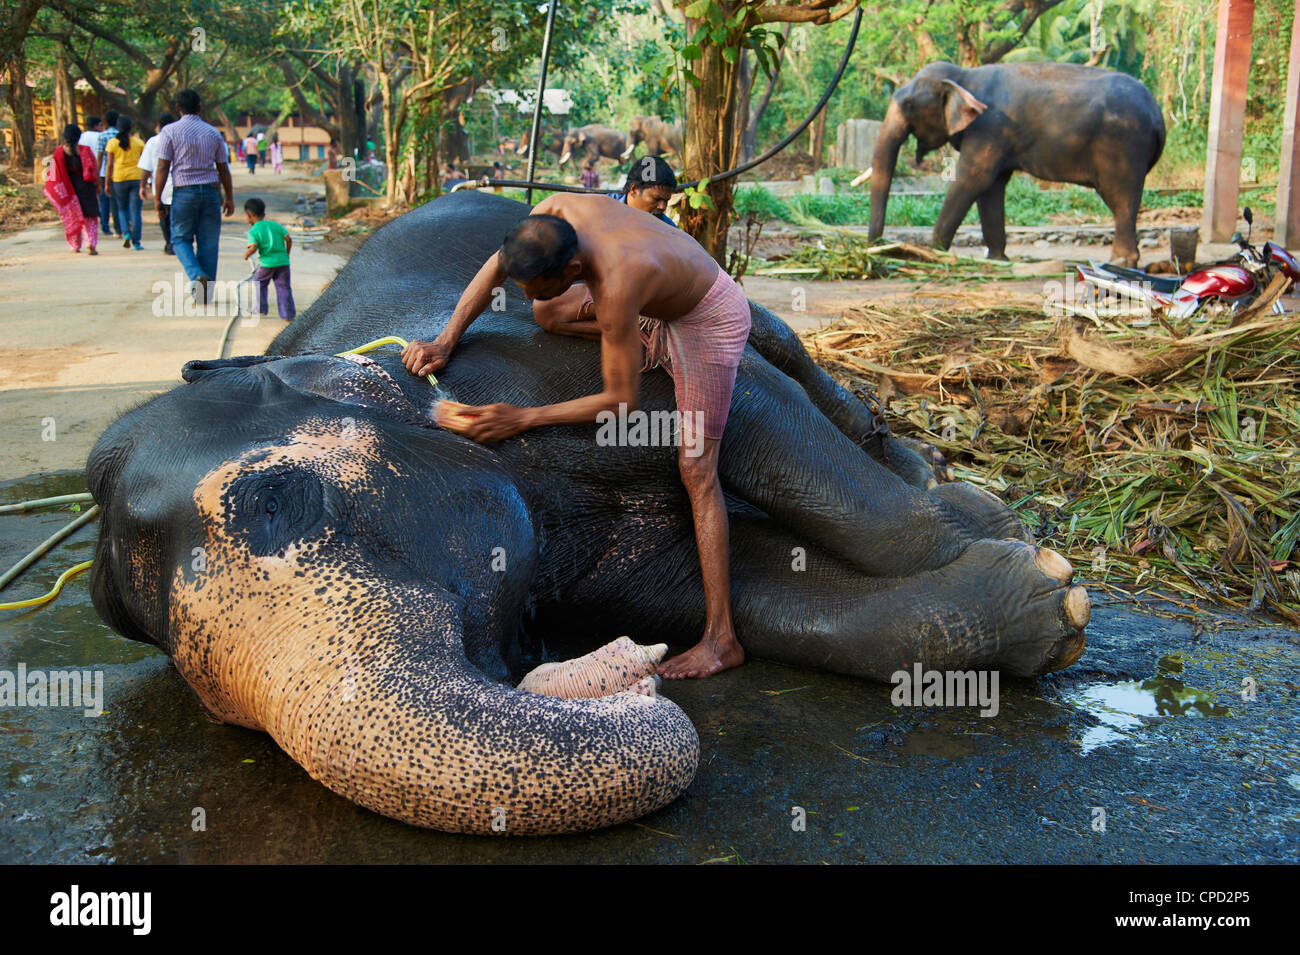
(1233, 283)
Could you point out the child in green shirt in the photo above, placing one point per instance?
(272, 244)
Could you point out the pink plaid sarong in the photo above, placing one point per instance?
(701, 351)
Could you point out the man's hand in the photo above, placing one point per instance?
(228, 205)
(426, 358)
(487, 423)
(157, 205)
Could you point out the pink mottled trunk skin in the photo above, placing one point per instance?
(617, 666)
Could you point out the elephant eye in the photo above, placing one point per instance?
(272, 509)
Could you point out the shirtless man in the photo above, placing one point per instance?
(650, 285)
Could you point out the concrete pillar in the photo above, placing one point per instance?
(1227, 118)
(1287, 230)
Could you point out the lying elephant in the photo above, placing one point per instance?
(324, 564)
(659, 137)
(1057, 121)
(592, 142)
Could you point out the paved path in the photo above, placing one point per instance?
(80, 337)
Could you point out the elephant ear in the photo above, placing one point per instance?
(960, 107)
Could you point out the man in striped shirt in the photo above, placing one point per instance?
(195, 156)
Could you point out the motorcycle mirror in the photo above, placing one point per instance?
(1236, 238)
(1245, 214)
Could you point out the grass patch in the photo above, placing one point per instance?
(1184, 479)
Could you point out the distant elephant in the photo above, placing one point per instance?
(593, 142)
(1057, 121)
(368, 580)
(659, 137)
(550, 140)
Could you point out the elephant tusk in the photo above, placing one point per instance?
(863, 177)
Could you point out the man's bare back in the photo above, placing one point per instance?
(635, 256)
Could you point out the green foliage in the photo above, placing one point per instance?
(760, 203)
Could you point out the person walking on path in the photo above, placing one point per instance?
(90, 139)
(124, 151)
(194, 155)
(72, 185)
(148, 168)
(272, 244)
(250, 153)
(261, 149)
(108, 214)
(277, 156)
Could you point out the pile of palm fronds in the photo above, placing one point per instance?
(1163, 456)
(850, 256)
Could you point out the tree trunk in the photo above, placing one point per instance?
(748, 144)
(349, 110)
(223, 121)
(391, 151)
(275, 123)
(15, 23)
(20, 107)
(817, 138)
(65, 97)
(711, 145)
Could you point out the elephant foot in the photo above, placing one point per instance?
(979, 513)
(919, 463)
(613, 668)
(1043, 617)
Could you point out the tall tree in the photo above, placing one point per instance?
(16, 19)
(718, 31)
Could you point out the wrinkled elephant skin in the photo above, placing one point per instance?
(1057, 121)
(322, 563)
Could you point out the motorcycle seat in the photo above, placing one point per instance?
(1158, 283)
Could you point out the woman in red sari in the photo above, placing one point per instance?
(72, 185)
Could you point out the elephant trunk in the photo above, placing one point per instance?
(403, 724)
(892, 133)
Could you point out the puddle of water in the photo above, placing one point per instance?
(1123, 707)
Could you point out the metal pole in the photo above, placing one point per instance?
(541, 92)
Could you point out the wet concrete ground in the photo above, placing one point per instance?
(1149, 726)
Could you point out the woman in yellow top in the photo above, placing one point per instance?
(123, 177)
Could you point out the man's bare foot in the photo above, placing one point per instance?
(711, 655)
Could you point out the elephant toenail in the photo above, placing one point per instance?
(1078, 609)
(1053, 565)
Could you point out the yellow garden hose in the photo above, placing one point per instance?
(379, 342)
(67, 575)
(85, 565)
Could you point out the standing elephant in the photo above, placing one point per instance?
(659, 137)
(593, 142)
(550, 140)
(367, 578)
(1057, 121)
